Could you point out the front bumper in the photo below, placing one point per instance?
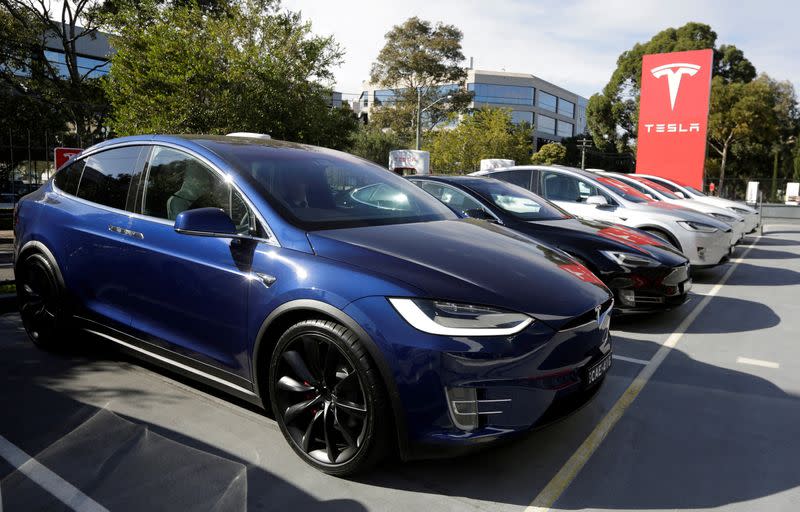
(513, 380)
(705, 249)
(650, 290)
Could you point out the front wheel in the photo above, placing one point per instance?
(328, 398)
(661, 235)
(40, 301)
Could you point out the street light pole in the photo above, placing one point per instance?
(585, 143)
(419, 116)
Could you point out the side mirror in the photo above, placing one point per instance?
(680, 194)
(597, 200)
(478, 213)
(650, 196)
(212, 222)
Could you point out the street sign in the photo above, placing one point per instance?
(62, 155)
(673, 115)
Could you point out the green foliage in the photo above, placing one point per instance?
(796, 161)
(8, 288)
(613, 114)
(374, 144)
(47, 96)
(487, 133)
(257, 68)
(420, 56)
(549, 154)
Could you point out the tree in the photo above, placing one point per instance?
(374, 144)
(796, 161)
(420, 58)
(487, 133)
(178, 69)
(28, 28)
(612, 116)
(549, 154)
(739, 111)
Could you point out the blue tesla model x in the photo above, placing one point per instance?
(359, 309)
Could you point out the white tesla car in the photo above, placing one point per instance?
(660, 193)
(703, 239)
(752, 218)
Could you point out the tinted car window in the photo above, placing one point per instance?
(177, 182)
(322, 189)
(518, 202)
(558, 186)
(457, 200)
(107, 176)
(67, 179)
(625, 190)
(521, 178)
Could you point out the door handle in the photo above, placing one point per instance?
(267, 279)
(126, 232)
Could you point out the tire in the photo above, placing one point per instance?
(328, 398)
(40, 298)
(661, 235)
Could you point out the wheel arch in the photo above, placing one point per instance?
(294, 311)
(37, 247)
(661, 229)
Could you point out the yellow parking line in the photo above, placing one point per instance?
(566, 475)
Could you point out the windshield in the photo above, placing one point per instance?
(624, 190)
(694, 190)
(664, 191)
(517, 201)
(321, 189)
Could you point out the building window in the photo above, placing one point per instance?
(566, 108)
(547, 101)
(518, 117)
(502, 94)
(364, 99)
(88, 67)
(546, 124)
(564, 129)
(385, 97)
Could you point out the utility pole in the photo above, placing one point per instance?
(419, 115)
(585, 143)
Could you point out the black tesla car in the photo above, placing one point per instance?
(644, 273)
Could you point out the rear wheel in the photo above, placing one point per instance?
(40, 301)
(328, 398)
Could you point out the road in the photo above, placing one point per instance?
(694, 415)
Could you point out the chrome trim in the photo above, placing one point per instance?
(176, 364)
(126, 232)
(271, 238)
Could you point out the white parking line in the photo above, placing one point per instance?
(757, 362)
(47, 480)
(569, 471)
(643, 362)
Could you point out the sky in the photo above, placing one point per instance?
(572, 43)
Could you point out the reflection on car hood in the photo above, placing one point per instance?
(470, 261)
(604, 236)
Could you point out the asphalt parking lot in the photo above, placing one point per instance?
(699, 411)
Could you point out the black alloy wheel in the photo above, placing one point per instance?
(39, 296)
(326, 397)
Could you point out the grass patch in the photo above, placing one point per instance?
(8, 288)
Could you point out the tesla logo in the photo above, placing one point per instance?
(674, 72)
(597, 310)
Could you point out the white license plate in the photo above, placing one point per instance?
(598, 370)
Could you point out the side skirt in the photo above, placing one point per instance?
(186, 366)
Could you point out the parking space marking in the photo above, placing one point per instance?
(64, 491)
(642, 362)
(569, 471)
(757, 362)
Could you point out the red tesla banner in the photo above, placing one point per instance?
(673, 115)
(62, 155)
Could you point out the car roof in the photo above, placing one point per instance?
(467, 181)
(566, 168)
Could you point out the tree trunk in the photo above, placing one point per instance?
(722, 169)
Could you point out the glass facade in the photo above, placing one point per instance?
(564, 129)
(518, 117)
(546, 124)
(566, 108)
(547, 101)
(385, 97)
(502, 94)
(91, 68)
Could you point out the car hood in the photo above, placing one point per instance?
(726, 203)
(601, 235)
(679, 213)
(473, 262)
(703, 207)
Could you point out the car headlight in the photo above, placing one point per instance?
(723, 217)
(627, 259)
(453, 319)
(697, 226)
